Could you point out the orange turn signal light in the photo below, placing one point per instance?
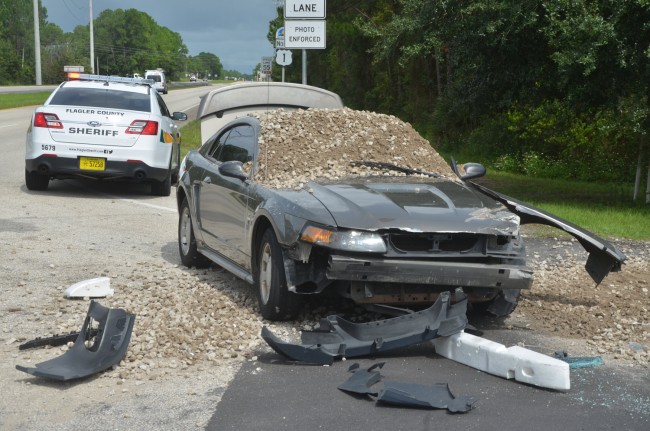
(316, 235)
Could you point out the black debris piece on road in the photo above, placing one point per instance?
(114, 327)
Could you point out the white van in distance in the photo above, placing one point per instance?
(158, 77)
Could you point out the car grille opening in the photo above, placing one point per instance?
(433, 242)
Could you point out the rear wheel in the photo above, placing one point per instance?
(186, 241)
(275, 300)
(36, 181)
(164, 187)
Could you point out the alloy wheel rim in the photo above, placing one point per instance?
(266, 264)
(186, 232)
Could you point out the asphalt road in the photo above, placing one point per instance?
(275, 394)
(112, 223)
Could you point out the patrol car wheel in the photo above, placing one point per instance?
(162, 188)
(36, 181)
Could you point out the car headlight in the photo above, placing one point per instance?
(348, 240)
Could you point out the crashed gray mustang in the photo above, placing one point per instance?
(400, 235)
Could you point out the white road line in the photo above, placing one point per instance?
(12, 125)
(144, 204)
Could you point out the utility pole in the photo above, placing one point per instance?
(92, 41)
(37, 44)
(304, 67)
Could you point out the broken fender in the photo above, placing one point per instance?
(337, 338)
(603, 256)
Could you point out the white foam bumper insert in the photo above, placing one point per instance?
(514, 362)
(99, 287)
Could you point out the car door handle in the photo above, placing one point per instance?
(207, 180)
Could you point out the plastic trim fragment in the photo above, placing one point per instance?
(99, 287)
(361, 380)
(337, 338)
(107, 349)
(514, 362)
(436, 396)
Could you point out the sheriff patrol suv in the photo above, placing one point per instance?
(106, 128)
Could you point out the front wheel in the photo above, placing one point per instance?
(275, 301)
(186, 241)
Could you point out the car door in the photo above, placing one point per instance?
(223, 200)
(170, 132)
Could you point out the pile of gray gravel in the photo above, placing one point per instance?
(323, 144)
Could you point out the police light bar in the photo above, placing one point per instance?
(76, 76)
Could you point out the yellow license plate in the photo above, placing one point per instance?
(92, 164)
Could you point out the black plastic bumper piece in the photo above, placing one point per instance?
(337, 338)
(436, 396)
(107, 349)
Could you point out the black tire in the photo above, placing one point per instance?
(275, 301)
(36, 181)
(162, 188)
(501, 305)
(186, 241)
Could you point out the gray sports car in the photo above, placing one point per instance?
(396, 235)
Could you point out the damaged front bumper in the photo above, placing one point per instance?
(338, 338)
(376, 280)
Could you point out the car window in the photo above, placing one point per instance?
(239, 146)
(163, 107)
(215, 148)
(101, 98)
(156, 77)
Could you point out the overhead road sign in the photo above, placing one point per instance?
(305, 34)
(304, 9)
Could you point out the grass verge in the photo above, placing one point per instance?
(190, 137)
(605, 209)
(9, 101)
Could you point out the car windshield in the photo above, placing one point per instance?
(102, 98)
(154, 77)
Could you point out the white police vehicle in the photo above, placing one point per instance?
(106, 128)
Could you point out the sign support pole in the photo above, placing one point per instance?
(304, 67)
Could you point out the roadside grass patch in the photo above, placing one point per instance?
(190, 136)
(603, 208)
(9, 101)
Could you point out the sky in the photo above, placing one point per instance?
(233, 30)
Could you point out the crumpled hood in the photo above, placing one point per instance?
(414, 205)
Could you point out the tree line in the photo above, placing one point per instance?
(555, 88)
(125, 41)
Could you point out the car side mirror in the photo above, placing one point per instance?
(179, 116)
(233, 169)
(472, 170)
